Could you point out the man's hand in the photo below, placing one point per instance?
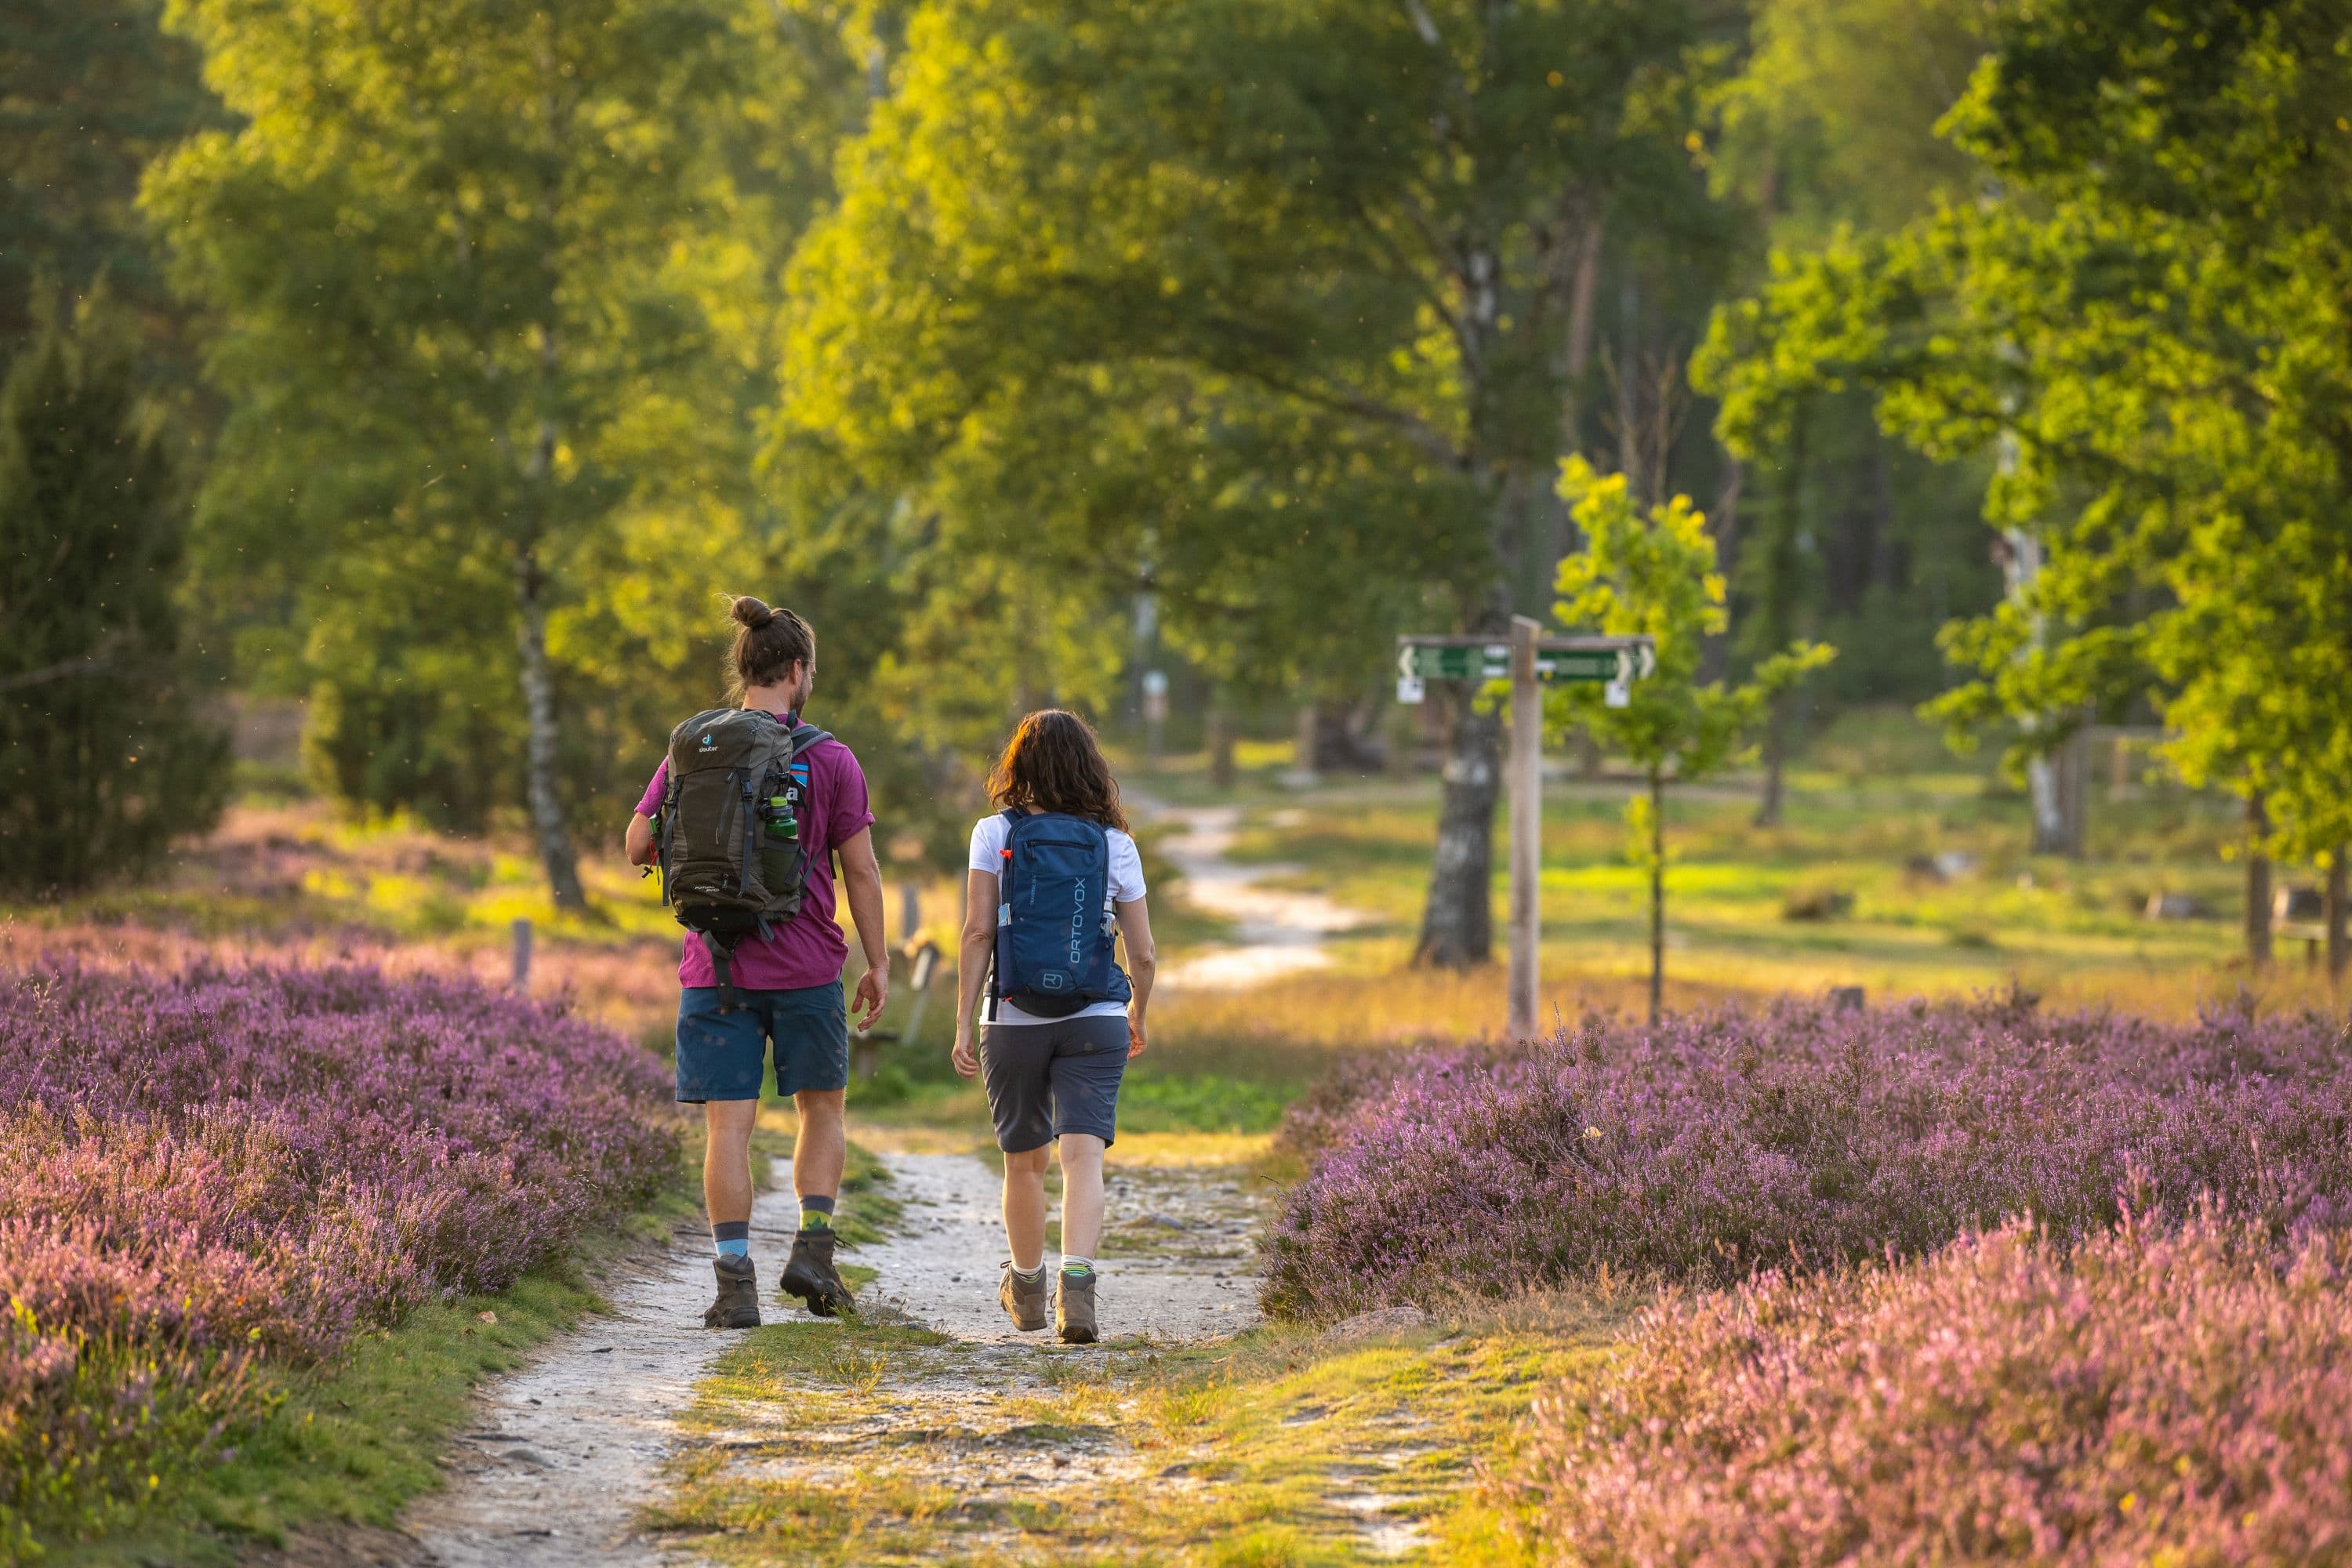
(873, 995)
(966, 1059)
(1136, 1042)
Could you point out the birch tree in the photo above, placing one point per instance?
(461, 253)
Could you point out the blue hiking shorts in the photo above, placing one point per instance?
(1046, 1080)
(720, 1054)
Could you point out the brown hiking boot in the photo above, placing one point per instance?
(738, 1306)
(809, 1274)
(1074, 1308)
(1024, 1299)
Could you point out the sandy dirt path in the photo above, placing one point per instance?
(1175, 1259)
(1276, 932)
(560, 1455)
(564, 1454)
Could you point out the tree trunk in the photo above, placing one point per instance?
(1657, 895)
(555, 851)
(1219, 725)
(2338, 952)
(1458, 926)
(1305, 748)
(2258, 885)
(1776, 754)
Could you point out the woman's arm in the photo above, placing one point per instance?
(1135, 929)
(637, 843)
(971, 963)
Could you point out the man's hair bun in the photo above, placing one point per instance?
(750, 611)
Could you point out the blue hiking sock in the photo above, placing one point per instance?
(731, 1237)
(816, 1213)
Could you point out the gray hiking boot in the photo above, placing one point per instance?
(1074, 1308)
(1024, 1299)
(738, 1306)
(810, 1275)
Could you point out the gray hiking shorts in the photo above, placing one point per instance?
(1046, 1080)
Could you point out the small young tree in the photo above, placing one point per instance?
(103, 761)
(1656, 576)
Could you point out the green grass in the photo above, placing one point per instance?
(1273, 1448)
(353, 1440)
(1837, 894)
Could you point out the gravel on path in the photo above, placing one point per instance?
(562, 1454)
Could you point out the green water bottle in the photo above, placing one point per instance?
(781, 823)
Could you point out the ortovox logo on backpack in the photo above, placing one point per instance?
(1055, 931)
(731, 842)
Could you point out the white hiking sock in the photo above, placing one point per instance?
(1072, 1264)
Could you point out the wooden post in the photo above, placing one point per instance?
(523, 952)
(2258, 885)
(1526, 823)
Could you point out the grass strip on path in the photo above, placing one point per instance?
(880, 1444)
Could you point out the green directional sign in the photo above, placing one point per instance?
(1493, 662)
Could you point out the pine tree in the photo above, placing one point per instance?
(103, 759)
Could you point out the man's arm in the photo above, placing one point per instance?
(861, 881)
(972, 957)
(638, 844)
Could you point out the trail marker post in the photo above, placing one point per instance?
(1527, 659)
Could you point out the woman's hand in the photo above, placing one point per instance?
(1136, 1042)
(966, 1059)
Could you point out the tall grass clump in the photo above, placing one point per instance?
(209, 1175)
(1719, 1143)
(2148, 1395)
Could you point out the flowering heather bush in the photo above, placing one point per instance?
(1725, 1141)
(2152, 1397)
(203, 1173)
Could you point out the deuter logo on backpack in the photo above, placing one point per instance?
(1056, 938)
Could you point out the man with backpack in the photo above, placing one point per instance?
(745, 817)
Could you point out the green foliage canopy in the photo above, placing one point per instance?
(2150, 316)
(490, 282)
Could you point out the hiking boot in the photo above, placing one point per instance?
(809, 1274)
(1074, 1308)
(738, 1306)
(1024, 1299)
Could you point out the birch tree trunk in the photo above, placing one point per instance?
(545, 739)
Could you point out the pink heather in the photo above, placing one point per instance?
(204, 1173)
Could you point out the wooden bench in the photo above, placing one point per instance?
(2300, 914)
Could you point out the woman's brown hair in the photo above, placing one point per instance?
(768, 643)
(1053, 762)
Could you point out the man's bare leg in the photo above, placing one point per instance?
(820, 1148)
(727, 1158)
(727, 1196)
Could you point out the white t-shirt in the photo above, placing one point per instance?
(988, 836)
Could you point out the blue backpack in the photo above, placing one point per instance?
(1055, 927)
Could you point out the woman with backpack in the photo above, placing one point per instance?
(1054, 881)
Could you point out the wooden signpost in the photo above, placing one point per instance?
(1527, 659)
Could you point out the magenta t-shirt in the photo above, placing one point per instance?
(809, 949)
